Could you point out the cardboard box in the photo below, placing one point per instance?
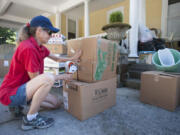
(4, 67)
(160, 89)
(146, 57)
(98, 60)
(57, 48)
(84, 100)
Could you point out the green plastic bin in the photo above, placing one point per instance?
(174, 68)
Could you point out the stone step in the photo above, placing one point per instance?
(133, 83)
(141, 67)
(134, 74)
(135, 70)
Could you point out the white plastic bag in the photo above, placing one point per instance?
(166, 58)
(145, 34)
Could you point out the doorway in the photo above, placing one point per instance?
(71, 29)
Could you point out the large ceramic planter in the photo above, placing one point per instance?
(116, 31)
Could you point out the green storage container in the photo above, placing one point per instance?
(174, 68)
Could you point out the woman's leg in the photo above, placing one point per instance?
(51, 102)
(37, 89)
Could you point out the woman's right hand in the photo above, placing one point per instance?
(76, 56)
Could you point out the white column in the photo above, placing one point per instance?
(77, 28)
(133, 34)
(58, 20)
(164, 18)
(142, 12)
(67, 17)
(86, 18)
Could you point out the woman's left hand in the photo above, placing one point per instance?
(76, 57)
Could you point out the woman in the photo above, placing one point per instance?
(25, 81)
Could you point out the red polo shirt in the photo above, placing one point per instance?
(28, 57)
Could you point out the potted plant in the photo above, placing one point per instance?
(116, 30)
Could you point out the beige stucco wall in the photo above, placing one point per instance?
(153, 13)
(63, 22)
(81, 27)
(53, 19)
(99, 18)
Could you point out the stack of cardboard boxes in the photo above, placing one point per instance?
(57, 46)
(95, 87)
(53, 66)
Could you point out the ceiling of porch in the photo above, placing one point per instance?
(15, 13)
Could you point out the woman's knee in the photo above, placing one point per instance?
(48, 78)
(57, 104)
(43, 80)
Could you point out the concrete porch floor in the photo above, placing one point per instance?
(128, 117)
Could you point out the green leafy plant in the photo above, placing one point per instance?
(116, 17)
(7, 36)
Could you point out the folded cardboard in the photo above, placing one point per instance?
(53, 64)
(4, 67)
(98, 60)
(84, 100)
(54, 71)
(57, 48)
(160, 89)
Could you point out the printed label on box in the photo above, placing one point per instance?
(100, 94)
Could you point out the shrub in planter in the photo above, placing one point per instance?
(116, 29)
(116, 17)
